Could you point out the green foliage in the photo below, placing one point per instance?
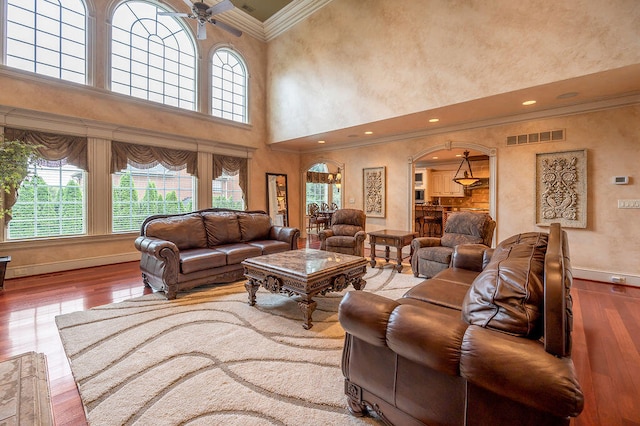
(129, 211)
(14, 165)
(226, 203)
(45, 211)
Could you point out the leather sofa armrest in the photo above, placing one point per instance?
(469, 256)
(360, 236)
(160, 249)
(427, 337)
(366, 315)
(520, 369)
(422, 335)
(420, 242)
(286, 234)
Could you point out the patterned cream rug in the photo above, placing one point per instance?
(24, 391)
(208, 358)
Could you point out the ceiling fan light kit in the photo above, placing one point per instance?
(203, 13)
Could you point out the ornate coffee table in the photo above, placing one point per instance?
(306, 273)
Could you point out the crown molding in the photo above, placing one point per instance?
(286, 18)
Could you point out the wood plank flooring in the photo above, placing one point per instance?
(606, 336)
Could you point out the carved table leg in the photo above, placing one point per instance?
(307, 306)
(386, 253)
(252, 287)
(359, 284)
(399, 266)
(373, 254)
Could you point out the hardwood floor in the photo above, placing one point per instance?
(606, 335)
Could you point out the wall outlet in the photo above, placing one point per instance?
(629, 204)
(618, 279)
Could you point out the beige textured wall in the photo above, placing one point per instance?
(355, 61)
(612, 140)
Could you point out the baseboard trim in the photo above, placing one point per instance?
(47, 268)
(606, 277)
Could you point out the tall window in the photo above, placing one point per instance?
(152, 57)
(139, 193)
(229, 86)
(47, 37)
(318, 192)
(51, 202)
(226, 192)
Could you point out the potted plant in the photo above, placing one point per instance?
(14, 166)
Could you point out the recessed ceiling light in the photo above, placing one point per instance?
(458, 155)
(368, 132)
(434, 158)
(567, 95)
(320, 141)
(531, 102)
(434, 120)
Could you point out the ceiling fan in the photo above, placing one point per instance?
(204, 13)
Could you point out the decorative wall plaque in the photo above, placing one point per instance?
(561, 188)
(374, 181)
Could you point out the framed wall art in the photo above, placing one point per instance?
(374, 181)
(561, 188)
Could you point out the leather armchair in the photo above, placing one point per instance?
(346, 234)
(432, 254)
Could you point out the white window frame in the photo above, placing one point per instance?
(88, 61)
(212, 90)
(195, 65)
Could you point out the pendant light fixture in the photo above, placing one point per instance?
(467, 178)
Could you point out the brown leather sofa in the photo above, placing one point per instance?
(182, 251)
(484, 342)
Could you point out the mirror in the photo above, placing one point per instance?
(277, 202)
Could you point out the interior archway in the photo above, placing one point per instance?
(445, 153)
(334, 194)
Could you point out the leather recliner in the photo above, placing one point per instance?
(346, 234)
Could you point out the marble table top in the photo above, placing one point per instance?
(305, 262)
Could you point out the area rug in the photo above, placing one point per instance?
(24, 391)
(208, 358)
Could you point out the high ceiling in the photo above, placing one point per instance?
(260, 9)
(267, 18)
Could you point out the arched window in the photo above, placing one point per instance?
(229, 86)
(47, 37)
(152, 57)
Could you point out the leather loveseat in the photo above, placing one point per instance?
(185, 250)
(484, 342)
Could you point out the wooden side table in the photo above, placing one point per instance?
(389, 237)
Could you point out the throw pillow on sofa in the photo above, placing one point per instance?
(508, 295)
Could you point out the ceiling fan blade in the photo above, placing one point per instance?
(202, 31)
(188, 3)
(179, 14)
(236, 32)
(223, 6)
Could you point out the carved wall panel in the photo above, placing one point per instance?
(374, 180)
(561, 188)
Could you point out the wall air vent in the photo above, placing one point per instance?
(546, 136)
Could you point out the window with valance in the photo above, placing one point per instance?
(150, 180)
(51, 201)
(229, 186)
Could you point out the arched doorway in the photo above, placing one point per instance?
(323, 181)
(442, 158)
